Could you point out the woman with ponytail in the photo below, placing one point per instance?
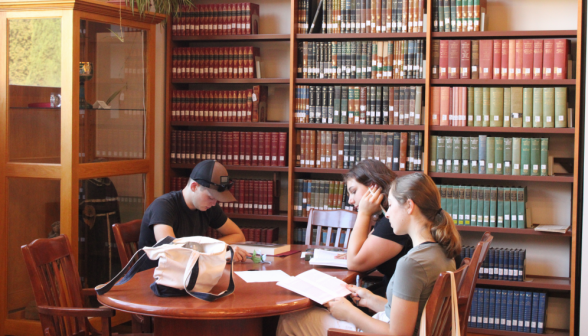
(414, 209)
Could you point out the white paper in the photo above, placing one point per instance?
(327, 258)
(263, 276)
(316, 285)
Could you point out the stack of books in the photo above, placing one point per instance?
(217, 19)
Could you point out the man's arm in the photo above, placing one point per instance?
(231, 232)
(162, 230)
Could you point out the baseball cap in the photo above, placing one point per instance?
(214, 176)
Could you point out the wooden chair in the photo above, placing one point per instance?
(466, 290)
(338, 219)
(58, 291)
(438, 318)
(127, 241)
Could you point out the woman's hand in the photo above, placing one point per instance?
(341, 256)
(361, 296)
(370, 202)
(240, 254)
(340, 308)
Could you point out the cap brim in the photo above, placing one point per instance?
(224, 196)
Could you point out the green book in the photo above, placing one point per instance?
(474, 141)
(507, 156)
(337, 107)
(500, 207)
(486, 205)
(441, 12)
(528, 107)
(465, 155)
(443, 193)
(496, 107)
(456, 167)
(458, 17)
(482, 142)
(544, 155)
(357, 113)
(440, 154)
(499, 155)
(490, 155)
(535, 156)
(461, 206)
(455, 203)
(506, 207)
(433, 154)
(521, 208)
(526, 156)
(453, 10)
(561, 107)
(447, 10)
(344, 104)
(474, 206)
(549, 107)
(467, 209)
(506, 108)
(478, 113)
(448, 154)
(516, 107)
(516, 156)
(449, 200)
(513, 208)
(470, 106)
(493, 206)
(486, 107)
(537, 107)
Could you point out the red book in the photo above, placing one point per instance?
(497, 59)
(519, 59)
(537, 59)
(236, 147)
(192, 104)
(464, 106)
(198, 149)
(454, 57)
(242, 187)
(443, 59)
(548, 58)
(560, 59)
(282, 140)
(271, 209)
(511, 59)
(248, 107)
(465, 61)
(444, 103)
(268, 148)
(403, 148)
(254, 148)
(248, 148)
(274, 149)
(486, 56)
(527, 59)
(213, 145)
(242, 142)
(435, 105)
(504, 60)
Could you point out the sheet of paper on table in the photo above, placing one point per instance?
(327, 258)
(316, 285)
(263, 276)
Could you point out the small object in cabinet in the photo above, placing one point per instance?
(86, 73)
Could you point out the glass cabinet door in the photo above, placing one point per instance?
(34, 92)
(112, 92)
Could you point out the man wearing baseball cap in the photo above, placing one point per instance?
(189, 212)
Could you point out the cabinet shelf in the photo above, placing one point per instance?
(233, 38)
(505, 82)
(375, 36)
(559, 178)
(525, 231)
(480, 331)
(356, 81)
(528, 130)
(280, 217)
(339, 171)
(536, 282)
(360, 127)
(234, 168)
(506, 33)
(269, 124)
(231, 81)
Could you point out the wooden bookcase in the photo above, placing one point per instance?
(561, 286)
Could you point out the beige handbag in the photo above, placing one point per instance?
(455, 326)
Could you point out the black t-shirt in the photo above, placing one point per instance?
(383, 229)
(171, 209)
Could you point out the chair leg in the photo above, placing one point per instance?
(142, 324)
(105, 326)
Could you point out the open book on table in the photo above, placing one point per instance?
(327, 258)
(316, 285)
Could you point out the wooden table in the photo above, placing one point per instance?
(238, 314)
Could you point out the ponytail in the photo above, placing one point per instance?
(421, 189)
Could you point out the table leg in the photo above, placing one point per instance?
(175, 327)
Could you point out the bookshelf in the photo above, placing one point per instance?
(554, 198)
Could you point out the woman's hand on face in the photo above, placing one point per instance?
(340, 308)
(370, 201)
(360, 295)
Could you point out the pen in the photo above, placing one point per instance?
(381, 207)
(357, 281)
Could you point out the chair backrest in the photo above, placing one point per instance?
(330, 219)
(127, 239)
(56, 283)
(466, 290)
(438, 308)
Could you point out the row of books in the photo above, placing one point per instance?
(230, 147)
(500, 107)
(262, 235)
(300, 237)
(501, 59)
(360, 16)
(459, 15)
(116, 142)
(399, 59)
(485, 206)
(217, 19)
(489, 155)
(224, 106)
(373, 105)
(216, 62)
(399, 151)
(319, 194)
(500, 263)
(508, 310)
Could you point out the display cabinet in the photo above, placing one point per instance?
(76, 128)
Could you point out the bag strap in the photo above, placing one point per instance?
(455, 325)
(193, 274)
(142, 264)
